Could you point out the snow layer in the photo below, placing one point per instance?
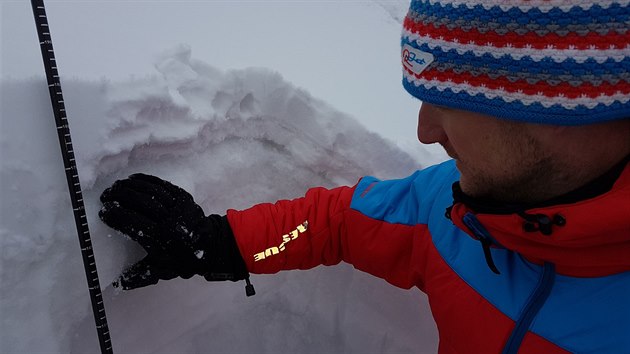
(231, 138)
(346, 52)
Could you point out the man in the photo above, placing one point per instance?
(521, 242)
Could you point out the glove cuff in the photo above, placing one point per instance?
(219, 251)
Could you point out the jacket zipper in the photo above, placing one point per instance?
(536, 299)
(533, 306)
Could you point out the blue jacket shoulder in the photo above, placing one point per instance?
(409, 200)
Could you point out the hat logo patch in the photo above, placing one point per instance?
(415, 60)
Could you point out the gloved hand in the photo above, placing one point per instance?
(179, 239)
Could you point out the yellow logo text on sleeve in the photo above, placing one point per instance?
(286, 238)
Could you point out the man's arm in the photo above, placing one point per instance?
(325, 226)
(322, 228)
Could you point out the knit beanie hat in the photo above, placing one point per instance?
(563, 62)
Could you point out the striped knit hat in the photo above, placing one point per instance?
(564, 62)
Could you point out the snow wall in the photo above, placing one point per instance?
(231, 139)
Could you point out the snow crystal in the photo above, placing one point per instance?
(183, 229)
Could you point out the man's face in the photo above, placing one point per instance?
(497, 159)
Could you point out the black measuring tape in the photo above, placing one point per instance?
(72, 174)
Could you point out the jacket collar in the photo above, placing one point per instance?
(585, 233)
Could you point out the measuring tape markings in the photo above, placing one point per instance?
(72, 175)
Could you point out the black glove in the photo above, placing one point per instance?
(179, 239)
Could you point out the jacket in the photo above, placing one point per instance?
(552, 279)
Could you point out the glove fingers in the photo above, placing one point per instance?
(137, 276)
(152, 197)
(158, 183)
(138, 227)
(139, 198)
(169, 195)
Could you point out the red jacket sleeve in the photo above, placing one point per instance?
(321, 229)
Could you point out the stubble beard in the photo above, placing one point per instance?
(529, 175)
(528, 185)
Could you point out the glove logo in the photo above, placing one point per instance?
(286, 238)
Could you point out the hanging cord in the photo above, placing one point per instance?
(72, 175)
(471, 221)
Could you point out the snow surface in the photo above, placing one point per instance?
(232, 138)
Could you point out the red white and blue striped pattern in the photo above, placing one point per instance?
(556, 62)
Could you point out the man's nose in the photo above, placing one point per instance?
(430, 128)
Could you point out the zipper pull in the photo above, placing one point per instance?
(249, 288)
(471, 221)
(485, 244)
